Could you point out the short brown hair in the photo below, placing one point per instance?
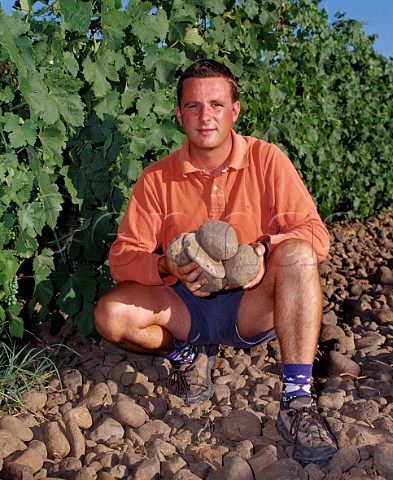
(208, 69)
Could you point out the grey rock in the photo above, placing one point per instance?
(128, 413)
(176, 251)
(75, 439)
(331, 400)
(154, 429)
(240, 425)
(235, 468)
(34, 400)
(345, 458)
(98, 397)
(185, 475)
(32, 457)
(383, 457)
(147, 470)
(222, 395)
(367, 410)
(71, 378)
(107, 430)
(329, 318)
(198, 255)
(314, 472)
(67, 468)
(285, 469)
(218, 239)
(361, 435)
(370, 341)
(263, 458)
(80, 416)
(56, 440)
(171, 466)
(331, 332)
(340, 364)
(213, 284)
(384, 276)
(16, 471)
(17, 427)
(243, 267)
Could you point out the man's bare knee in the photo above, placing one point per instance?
(294, 253)
(107, 322)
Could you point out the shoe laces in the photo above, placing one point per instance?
(304, 419)
(181, 380)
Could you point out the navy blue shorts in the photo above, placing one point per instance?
(214, 319)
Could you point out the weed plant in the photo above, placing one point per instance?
(21, 370)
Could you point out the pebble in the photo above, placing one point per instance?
(240, 425)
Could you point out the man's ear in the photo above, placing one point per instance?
(235, 111)
(178, 115)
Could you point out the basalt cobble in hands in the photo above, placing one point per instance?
(214, 247)
(114, 417)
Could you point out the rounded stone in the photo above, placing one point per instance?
(9, 443)
(176, 251)
(218, 239)
(127, 412)
(16, 427)
(198, 255)
(340, 364)
(56, 442)
(383, 458)
(214, 284)
(241, 425)
(80, 416)
(243, 267)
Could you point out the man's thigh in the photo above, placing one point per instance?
(133, 305)
(256, 310)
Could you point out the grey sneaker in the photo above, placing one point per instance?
(301, 425)
(192, 381)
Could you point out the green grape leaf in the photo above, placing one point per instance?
(193, 37)
(25, 245)
(152, 27)
(15, 323)
(21, 132)
(53, 140)
(109, 105)
(94, 73)
(71, 63)
(75, 15)
(69, 105)
(113, 24)
(43, 265)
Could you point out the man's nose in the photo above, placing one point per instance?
(206, 111)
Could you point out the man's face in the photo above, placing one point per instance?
(207, 112)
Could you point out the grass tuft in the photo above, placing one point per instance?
(22, 370)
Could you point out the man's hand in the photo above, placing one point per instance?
(187, 274)
(259, 249)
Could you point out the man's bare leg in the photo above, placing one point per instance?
(142, 318)
(289, 299)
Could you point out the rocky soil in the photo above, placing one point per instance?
(113, 416)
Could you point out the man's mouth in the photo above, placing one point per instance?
(206, 130)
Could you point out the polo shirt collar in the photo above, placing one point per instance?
(239, 155)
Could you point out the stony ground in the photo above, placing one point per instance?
(113, 416)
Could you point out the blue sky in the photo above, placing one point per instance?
(378, 15)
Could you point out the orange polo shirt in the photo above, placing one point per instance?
(260, 194)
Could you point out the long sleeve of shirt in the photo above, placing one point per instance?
(260, 194)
